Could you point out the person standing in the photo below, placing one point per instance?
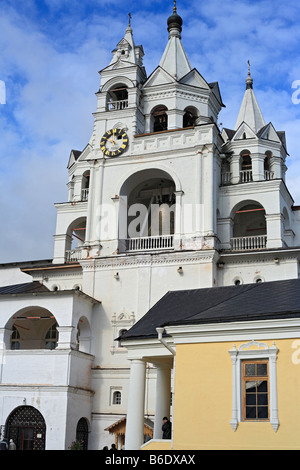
(166, 428)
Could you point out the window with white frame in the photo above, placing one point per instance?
(254, 385)
(115, 396)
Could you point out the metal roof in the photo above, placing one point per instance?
(259, 301)
(28, 287)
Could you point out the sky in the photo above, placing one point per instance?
(51, 52)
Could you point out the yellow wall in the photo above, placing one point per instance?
(203, 401)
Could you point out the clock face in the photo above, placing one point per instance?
(114, 142)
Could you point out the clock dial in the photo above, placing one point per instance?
(114, 142)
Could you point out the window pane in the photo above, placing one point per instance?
(262, 399)
(262, 386)
(262, 412)
(249, 370)
(250, 412)
(251, 386)
(250, 399)
(262, 369)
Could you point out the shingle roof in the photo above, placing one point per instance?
(259, 301)
(28, 287)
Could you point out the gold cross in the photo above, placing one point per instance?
(174, 9)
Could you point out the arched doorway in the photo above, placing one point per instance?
(27, 428)
(82, 433)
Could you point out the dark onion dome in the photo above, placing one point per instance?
(174, 21)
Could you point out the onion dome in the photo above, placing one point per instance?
(175, 21)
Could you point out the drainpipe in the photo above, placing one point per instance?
(160, 338)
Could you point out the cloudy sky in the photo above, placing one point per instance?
(50, 55)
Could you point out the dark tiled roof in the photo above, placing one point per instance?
(259, 301)
(230, 133)
(28, 287)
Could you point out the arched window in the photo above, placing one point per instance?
(249, 227)
(75, 240)
(268, 173)
(117, 398)
(117, 98)
(85, 186)
(190, 117)
(51, 337)
(160, 119)
(246, 167)
(149, 209)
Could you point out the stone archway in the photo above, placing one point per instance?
(27, 428)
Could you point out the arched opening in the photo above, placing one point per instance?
(245, 167)
(85, 185)
(27, 428)
(268, 173)
(51, 337)
(84, 335)
(147, 212)
(249, 227)
(75, 240)
(82, 433)
(160, 119)
(190, 117)
(225, 171)
(117, 97)
(33, 328)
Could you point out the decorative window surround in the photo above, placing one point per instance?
(261, 351)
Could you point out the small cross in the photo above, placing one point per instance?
(174, 9)
(129, 14)
(248, 67)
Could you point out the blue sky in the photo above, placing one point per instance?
(51, 52)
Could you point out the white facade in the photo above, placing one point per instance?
(234, 222)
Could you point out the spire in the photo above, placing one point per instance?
(126, 48)
(174, 59)
(250, 112)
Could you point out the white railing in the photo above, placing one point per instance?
(85, 194)
(245, 176)
(73, 255)
(226, 177)
(162, 242)
(269, 175)
(117, 105)
(249, 243)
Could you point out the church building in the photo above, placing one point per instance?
(175, 261)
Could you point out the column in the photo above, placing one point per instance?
(66, 337)
(163, 398)
(136, 403)
(234, 417)
(235, 169)
(178, 220)
(274, 230)
(258, 173)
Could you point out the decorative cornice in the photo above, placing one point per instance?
(121, 261)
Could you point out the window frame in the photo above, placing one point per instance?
(254, 378)
(253, 351)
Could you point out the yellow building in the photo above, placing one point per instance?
(231, 358)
